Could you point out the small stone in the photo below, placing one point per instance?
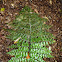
(12, 5)
(55, 61)
(1, 60)
(50, 2)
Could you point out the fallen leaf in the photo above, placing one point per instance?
(54, 41)
(15, 41)
(36, 11)
(46, 18)
(2, 9)
(28, 56)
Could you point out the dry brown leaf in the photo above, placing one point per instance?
(15, 41)
(36, 11)
(28, 56)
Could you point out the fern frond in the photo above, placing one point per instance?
(30, 35)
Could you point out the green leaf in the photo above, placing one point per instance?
(2, 9)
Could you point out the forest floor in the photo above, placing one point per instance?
(50, 9)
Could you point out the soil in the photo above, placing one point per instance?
(50, 9)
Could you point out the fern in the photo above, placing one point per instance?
(29, 31)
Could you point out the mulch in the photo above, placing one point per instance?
(50, 9)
